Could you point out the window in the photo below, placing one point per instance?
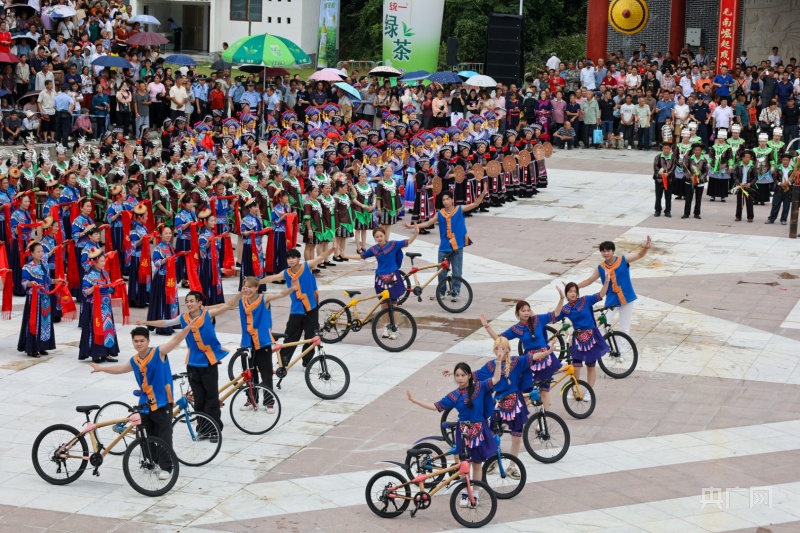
(279, 20)
(246, 10)
(288, 20)
(269, 19)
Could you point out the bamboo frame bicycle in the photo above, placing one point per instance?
(336, 321)
(388, 493)
(450, 300)
(326, 376)
(149, 464)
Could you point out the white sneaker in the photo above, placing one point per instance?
(270, 409)
(629, 147)
(386, 332)
(393, 335)
(164, 475)
(464, 500)
(248, 407)
(585, 396)
(476, 496)
(454, 298)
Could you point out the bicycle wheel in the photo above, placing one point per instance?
(578, 408)
(327, 377)
(409, 288)
(255, 409)
(49, 457)
(546, 437)
(621, 361)
(196, 438)
(427, 463)
(106, 435)
(235, 363)
(380, 491)
(150, 466)
(334, 317)
(448, 415)
(477, 515)
(507, 477)
(394, 329)
(450, 300)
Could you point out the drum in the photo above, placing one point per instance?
(509, 163)
(129, 150)
(548, 149)
(477, 171)
(538, 152)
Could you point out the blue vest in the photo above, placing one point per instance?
(304, 299)
(256, 320)
(620, 290)
(452, 231)
(154, 377)
(204, 347)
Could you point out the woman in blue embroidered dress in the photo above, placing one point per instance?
(210, 274)
(109, 348)
(162, 306)
(588, 344)
(37, 273)
(138, 292)
(21, 235)
(474, 403)
(531, 332)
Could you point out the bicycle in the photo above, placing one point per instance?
(388, 493)
(545, 435)
(196, 437)
(326, 376)
(620, 344)
(495, 470)
(336, 321)
(149, 464)
(445, 292)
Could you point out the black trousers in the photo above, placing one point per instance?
(261, 365)
(204, 381)
(781, 201)
(300, 325)
(63, 128)
(158, 423)
(696, 193)
(666, 193)
(747, 201)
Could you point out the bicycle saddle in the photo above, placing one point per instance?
(87, 408)
(277, 336)
(412, 255)
(416, 452)
(449, 425)
(352, 294)
(179, 376)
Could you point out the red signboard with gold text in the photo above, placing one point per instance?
(727, 38)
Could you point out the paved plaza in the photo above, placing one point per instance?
(703, 437)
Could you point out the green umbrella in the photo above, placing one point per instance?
(267, 50)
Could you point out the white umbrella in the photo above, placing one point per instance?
(60, 12)
(385, 72)
(144, 19)
(481, 81)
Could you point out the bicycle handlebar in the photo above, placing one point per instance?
(182, 375)
(604, 309)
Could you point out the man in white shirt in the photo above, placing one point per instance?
(723, 114)
(178, 98)
(775, 57)
(43, 76)
(626, 114)
(553, 62)
(98, 69)
(587, 76)
(686, 84)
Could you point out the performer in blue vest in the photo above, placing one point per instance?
(205, 352)
(255, 314)
(151, 369)
(621, 291)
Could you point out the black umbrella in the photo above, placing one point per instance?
(219, 64)
(28, 94)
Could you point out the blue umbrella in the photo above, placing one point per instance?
(112, 61)
(445, 77)
(466, 74)
(415, 75)
(349, 89)
(144, 19)
(182, 60)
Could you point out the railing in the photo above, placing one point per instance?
(357, 64)
(475, 67)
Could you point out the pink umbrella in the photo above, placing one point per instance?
(5, 57)
(325, 75)
(147, 38)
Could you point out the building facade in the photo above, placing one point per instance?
(209, 23)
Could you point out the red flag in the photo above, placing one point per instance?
(8, 292)
(292, 228)
(144, 262)
(126, 217)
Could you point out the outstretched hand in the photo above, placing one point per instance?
(484, 321)
(648, 243)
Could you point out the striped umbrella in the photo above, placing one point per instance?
(267, 50)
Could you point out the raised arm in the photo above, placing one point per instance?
(176, 340)
(426, 405)
(488, 328)
(218, 310)
(498, 369)
(477, 203)
(630, 258)
(160, 323)
(121, 368)
(604, 290)
(591, 279)
(557, 310)
(281, 294)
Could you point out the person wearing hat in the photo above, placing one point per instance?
(210, 250)
(763, 157)
(663, 173)
(681, 150)
(36, 335)
(139, 274)
(719, 157)
(92, 236)
(98, 331)
(696, 176)
(737, 144)
(21, 226)
(184, 218)
(114, 217)
(782, 197)
(252, 231)
(49, 243)
(745, 177)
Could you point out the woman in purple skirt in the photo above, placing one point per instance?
(474, 402)
(588, 344)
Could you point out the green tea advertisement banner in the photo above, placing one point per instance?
(328, 40)
(412, 31)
